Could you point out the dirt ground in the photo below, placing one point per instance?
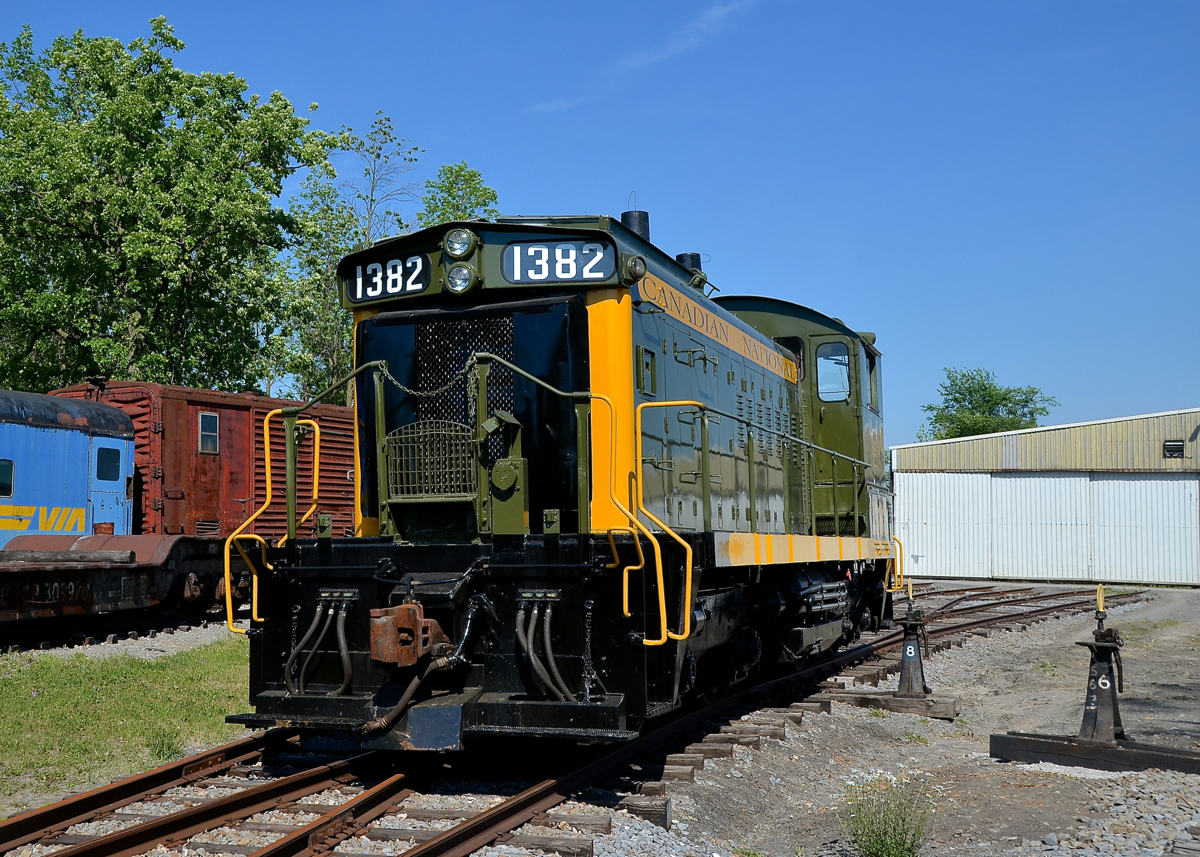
(781, 798)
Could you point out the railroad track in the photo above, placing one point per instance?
(227, 801)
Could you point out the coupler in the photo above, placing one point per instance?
(1101, 743)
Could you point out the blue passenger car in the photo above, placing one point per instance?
(66, 467)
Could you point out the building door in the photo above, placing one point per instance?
(109, 507)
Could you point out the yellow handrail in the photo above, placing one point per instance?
(641, 563)
(236, 533)
(896, 567)
(642, 528)
(316, 470)
(687, 549)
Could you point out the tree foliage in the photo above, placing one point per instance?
(141, 234)
(457, 193)
(973, 403)
(138, 224)
(386, 159)
(313, 348)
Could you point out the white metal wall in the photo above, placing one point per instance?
(1113, 527)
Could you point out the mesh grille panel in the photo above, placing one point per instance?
(442, 348)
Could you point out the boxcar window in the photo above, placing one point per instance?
(108, 464)
(833, 372)
(208, 433)
(6, 477)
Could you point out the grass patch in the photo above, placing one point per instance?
(1144, 634)
(915, 737)
(72, 721)
(1047, 668)
(746, 852)
(888, 817)
(878, 712)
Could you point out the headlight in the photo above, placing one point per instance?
(459, 242)
(460, 278)
(635, 267)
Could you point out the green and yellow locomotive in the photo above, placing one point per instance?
(587, 493)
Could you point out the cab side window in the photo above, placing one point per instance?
(108, 464)
(870, 379)
(6, 477)
(833, 372)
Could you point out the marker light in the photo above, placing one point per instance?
(460, 278)
(459, 243)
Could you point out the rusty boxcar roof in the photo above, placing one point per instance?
(168, 391)
(36, 409)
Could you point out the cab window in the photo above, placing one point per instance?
(108, 464)
(870, 379)
(833, 372)
(6, 477)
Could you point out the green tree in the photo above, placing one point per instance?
(313, 348)
(458, 193)
(386, 159)
(138, 224)
(973, 403)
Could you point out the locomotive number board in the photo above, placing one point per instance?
(394, 278)
(558, 262)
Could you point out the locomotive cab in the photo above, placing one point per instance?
(585, 494)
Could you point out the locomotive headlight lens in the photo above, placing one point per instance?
(460, 278)
(459, 242)
(635, 267)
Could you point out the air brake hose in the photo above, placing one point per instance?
(551, 661)
(291, 661)
(531, 633)
(344, 651)
(527, 643)
(317, 645)
(382, 724)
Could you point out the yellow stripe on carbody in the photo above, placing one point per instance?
(735, 549)
(679, 306)
(363, 525)
(610, 361)
(49, 518)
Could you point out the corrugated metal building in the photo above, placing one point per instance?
(1114, 500)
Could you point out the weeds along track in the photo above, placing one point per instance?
(237, 799)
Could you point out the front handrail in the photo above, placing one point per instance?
(236, 533)
(316, 481)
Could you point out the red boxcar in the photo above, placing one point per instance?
(199, 459)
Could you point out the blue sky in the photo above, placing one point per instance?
(1008, 185)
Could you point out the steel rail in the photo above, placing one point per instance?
(35, 823)
(982, 596)
(173, 829)
(991, 605)
(341, 822)
(937, 593)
